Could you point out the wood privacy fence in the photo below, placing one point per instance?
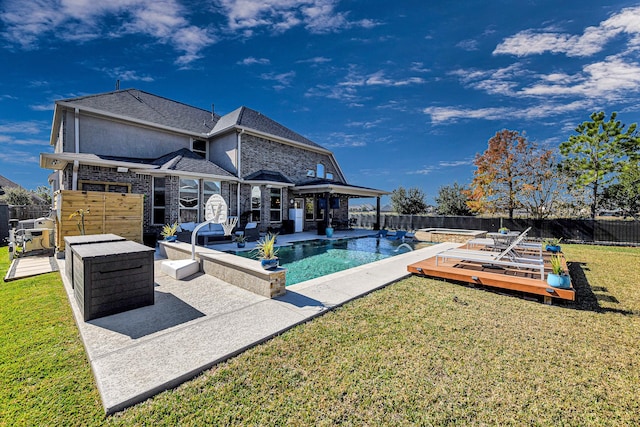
(601, 231)
(116, 213)
(22, 212)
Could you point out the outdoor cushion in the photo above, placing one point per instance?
(187, 226)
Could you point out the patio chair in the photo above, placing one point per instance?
(382, 233)
(250, 232)
(399, 234)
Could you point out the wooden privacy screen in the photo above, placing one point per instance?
(114, 213)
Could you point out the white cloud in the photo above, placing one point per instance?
(125, 75)
(451, 115)
(426, 170)
(283, 79)
(610, 79)
(469, 45)
(28, 22)
(253, 61)
(590, 42)
(344, 140)
(454, 163)
(315, 60)
(18, 157)
(28, 127)
(378, 78)
(317, 16)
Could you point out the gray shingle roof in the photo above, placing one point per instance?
(185, 160)
(252, 119)
(266, 175)
(144, 106)
(151, 108)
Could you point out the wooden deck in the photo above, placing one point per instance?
(521, 280)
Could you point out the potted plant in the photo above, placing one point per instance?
(240, 240)
(503, 230)
(329, 230)
(552, 245)
(558, 278)
(169, 232)
(267, 252)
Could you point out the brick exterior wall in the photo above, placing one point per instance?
(257, 154)
(292, 162)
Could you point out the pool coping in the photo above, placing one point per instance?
(201, 321)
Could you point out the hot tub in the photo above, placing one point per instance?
(455, 235)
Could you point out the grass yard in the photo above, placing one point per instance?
(419, 352)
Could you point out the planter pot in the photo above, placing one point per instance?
(241, 244)
(553, 248)
(171, 238)
(559, 281)
(269, 264)
(329, 231)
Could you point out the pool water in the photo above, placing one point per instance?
(315, 258)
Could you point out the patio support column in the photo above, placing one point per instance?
(376, 226)
(326, 209)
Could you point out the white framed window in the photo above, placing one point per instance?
(329, 176)
(209, 188)
(309, 209)
(275, 204)
(189, 200)
(311, 173)
(158, 200)
(199, 147)
(320, 170)
(256, 203)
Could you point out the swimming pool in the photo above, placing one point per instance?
(315, 258)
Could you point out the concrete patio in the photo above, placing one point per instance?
(199, 322)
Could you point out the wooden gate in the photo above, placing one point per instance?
(115, 213)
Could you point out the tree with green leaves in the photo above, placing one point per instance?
(408, 202)
(17, 196)
(593, 157)
(43, 192)
(452, 200)
(625, 193)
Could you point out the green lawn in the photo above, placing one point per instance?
(419, 352)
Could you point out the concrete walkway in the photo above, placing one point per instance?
(199, 322)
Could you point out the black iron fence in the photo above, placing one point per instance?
(570, 230)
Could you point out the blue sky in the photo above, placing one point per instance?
(404, 93)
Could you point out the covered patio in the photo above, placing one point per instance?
(333, 200)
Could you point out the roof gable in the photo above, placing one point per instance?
(185, 160)
(252, 119)
(144, 106)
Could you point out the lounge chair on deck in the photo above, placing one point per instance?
(509, 257)
(522, 246)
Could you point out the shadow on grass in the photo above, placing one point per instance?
(588, 297)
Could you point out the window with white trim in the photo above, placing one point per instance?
(199, 147)
(309, 208)
(275, 204)
(189, 200)
(256, 203)
(159, 200)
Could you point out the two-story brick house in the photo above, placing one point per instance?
(179, 155)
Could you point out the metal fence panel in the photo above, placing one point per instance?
(570, 230)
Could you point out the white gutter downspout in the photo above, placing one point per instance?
(76, 137)
(238, 167)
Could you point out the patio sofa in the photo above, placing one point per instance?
(206, 235)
